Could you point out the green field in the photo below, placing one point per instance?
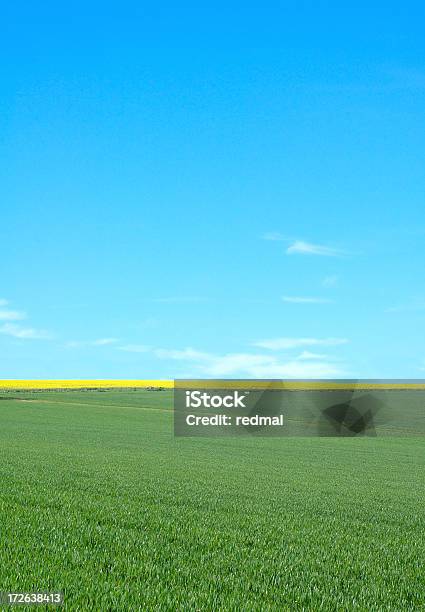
(99, 500)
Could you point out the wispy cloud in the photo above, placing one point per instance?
(308, 355)
(277, 344)
(134, 348)
(273, 236)
(187, 353)
(98, 342)
(299, 247)
(11, 315)
(296, 369)
(16, 330)
(24, 333)
(74, 344)
(330, 281)
(305, 300)
(254, 365)
(235, 363)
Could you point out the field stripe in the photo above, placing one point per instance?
(84, 384)
(288, 385)
(94, 405)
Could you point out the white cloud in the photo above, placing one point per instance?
(234, 363)
(12, 315)
(330, 281)
(296, 369)
(299, 247)
(16, 331)
(253, 365)
(305, 300)
(185, 354)
(308, 355)
(98, 342)
(277, 344)
(134, 348)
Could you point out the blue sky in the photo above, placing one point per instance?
(212, 191)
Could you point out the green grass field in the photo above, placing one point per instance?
(98, 499)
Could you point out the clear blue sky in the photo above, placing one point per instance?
(225, 190)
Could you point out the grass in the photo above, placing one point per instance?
(98, 499)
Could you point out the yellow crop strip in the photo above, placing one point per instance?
(223, 384)
(84, 384)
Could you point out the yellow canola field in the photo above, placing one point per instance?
(195, 384)
(83, 384)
